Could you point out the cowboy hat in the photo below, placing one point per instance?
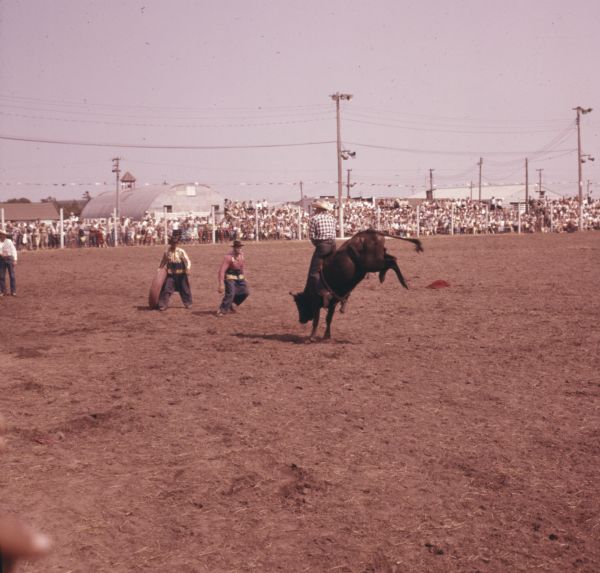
(3, 232)
(237, 244)
(322, 204)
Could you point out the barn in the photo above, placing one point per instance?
(180, 200)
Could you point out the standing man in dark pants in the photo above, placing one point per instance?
(321, 232)
(232, 280)
(178, 265)
(8, 261)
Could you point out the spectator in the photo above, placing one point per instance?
(8, 261)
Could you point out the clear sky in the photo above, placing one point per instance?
(236, 94)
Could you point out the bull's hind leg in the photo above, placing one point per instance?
(390, 262)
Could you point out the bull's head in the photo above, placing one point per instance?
(305, 305)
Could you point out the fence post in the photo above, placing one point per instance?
(452, 219)
(115, 229)
(519, 218)
(256, 230)
(2, 218)
(166, 226)
(212, 218)
(61, 227)
(418, 220)
(487, 219)
(299, 223)
(378, 227)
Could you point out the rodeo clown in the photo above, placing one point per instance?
(232, 280)
(178, 266)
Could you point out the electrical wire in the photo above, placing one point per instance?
(147, 146)
(456, 121)
(440, 152)
(458, 130)
(194, 126)
(87, 104)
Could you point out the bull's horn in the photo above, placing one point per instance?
(291, 293)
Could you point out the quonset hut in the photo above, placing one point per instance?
(181, 200)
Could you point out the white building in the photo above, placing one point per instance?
(181, 200)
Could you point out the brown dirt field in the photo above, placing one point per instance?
(440, 430)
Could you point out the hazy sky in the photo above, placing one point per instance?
(236, 94)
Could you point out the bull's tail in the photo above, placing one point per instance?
(415, 242)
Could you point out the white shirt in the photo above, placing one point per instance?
(8, 249)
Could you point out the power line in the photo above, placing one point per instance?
(419, 118)
(87, 105)
(147, 146)
(360, 180)
(460, 130)
(163, 125)
(443, 152)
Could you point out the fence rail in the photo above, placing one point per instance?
(291, 223)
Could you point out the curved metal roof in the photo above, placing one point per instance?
(136, 202)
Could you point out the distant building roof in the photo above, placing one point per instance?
(508, 193)
(29, 212)
(128, 178)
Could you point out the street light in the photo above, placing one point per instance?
(580, 159)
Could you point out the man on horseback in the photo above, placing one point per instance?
(321, 232)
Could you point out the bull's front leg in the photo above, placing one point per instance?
(330, 312)
(315, 324)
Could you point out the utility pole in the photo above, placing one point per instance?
(480, 163)
(117, 171)
(540, 191)
(526, 185)
(301, 193)
(348, 183)
(336, 97)
(429, 194)
(580, 110)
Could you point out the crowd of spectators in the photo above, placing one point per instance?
(247, 221)
(465, 216)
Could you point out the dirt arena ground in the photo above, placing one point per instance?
(440, 430)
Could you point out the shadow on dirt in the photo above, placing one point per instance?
(144, 308)
(293, 338)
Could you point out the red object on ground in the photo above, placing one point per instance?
(156, 287)
(438, 284)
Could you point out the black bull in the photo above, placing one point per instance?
(363, 253)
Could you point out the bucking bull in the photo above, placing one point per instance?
(342, 271)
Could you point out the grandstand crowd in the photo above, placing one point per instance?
(245, 220)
